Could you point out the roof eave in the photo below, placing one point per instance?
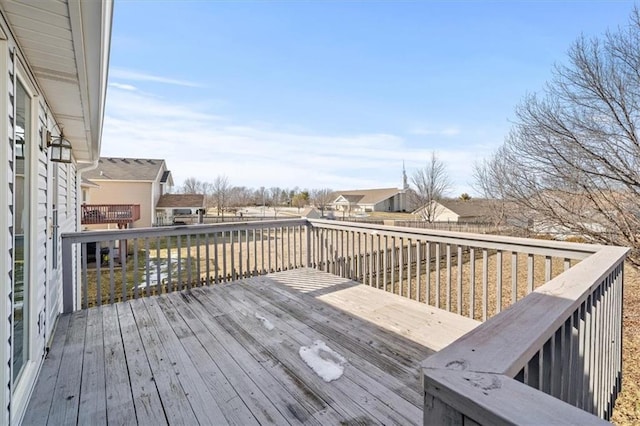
(92, 62)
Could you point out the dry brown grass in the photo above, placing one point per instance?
(627, 409)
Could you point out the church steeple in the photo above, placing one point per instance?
(405, 184)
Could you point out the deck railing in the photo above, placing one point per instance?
(559, 341)
(96, 214)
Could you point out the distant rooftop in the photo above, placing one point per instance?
(134, 169)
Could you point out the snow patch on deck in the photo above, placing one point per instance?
(324, 361)
(265, 322)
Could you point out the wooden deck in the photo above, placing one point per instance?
(206, 356)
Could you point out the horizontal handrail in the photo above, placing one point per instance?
(563, 339)
(496, 242)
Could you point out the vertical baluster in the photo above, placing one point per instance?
(459, 281)
(370, 237)
(342, 256)
(567, 264)
(448, 276)
(198, 280)
(247, 246)
(499, 281)
(295, 248)
(189, 263)
(393, 264)
(556, 362)
(401, 266)
(98, 257)
(179, 247)
(224, 256)
(428, 273)
(571, 390)
(485, 283)
(207, 259)
(85, 278)
(123, 268)
(547, 269)
(288, 264)
(530, 260)
(583, 388)
(216, 265)
(514, 277)
(262, 258)
(348, 257)
(147, 272)
(546, 366)
(136, 282)
(254, 234)
(409, 261)
(418, 267)
(385, 263)
(273, 267)
(234, 273)
(472, 282)
(112, 283)
(437, 260)
(169, 264)
(378, 260)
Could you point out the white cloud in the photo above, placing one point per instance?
(123, 86)
(123, 74)
(197, 143)
(431, 131)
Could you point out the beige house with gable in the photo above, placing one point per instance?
(370, 200)
(127, 181)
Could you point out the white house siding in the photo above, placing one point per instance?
(443, 214)
(6, 192)
(45, 285)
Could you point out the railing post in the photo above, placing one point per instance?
(68, 289)
(308, 227)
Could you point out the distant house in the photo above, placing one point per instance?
(460, 211)
(370, 200)
(311, 213)
(171, 206)
(120, 181)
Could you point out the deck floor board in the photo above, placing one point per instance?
(205, 356)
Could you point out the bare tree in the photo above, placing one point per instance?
(275, 196)
(322, 198)
(221, 191)
(491, 178)
(430, 184)
(572, 157)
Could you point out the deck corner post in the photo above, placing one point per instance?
(68, 288)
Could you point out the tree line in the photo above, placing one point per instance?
(222, 195)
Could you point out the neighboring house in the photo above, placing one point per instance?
(53, 79)
(129, 181)
(459, 211)
(311, 213)
(370, 200)
(171, 206)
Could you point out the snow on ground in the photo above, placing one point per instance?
(265, 322)
(324, 361)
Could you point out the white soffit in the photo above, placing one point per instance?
(66, 43)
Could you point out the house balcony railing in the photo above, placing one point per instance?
(549, 349)
(98, 214)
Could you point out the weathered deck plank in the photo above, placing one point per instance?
(93, 401)
(148, 408)
(284, 342)
(66, 395)
(40, 404)
(204, 357)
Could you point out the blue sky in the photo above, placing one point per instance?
(331, 94)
